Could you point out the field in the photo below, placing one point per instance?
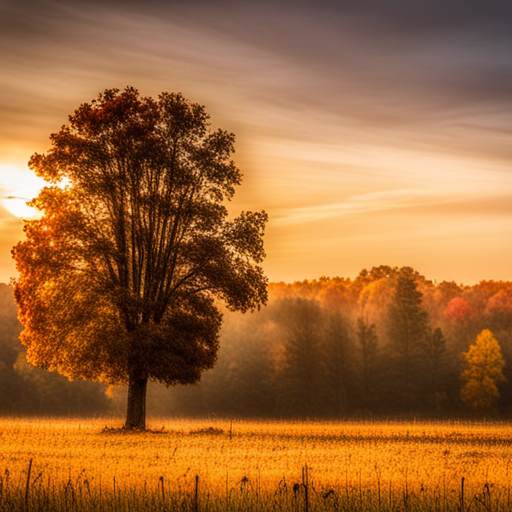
(58, 465)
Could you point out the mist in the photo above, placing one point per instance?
(320, 349)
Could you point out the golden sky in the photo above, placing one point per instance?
(372, 132)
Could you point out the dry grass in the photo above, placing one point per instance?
(79, 465)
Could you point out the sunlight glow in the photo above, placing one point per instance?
(18, 207)
(17, 186)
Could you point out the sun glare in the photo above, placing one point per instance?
(18, 207)
(17, 186)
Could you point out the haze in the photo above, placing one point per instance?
(372, 132)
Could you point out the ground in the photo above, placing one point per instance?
(237, 465)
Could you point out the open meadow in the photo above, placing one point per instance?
(201, 465)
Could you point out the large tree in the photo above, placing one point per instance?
(121, 276)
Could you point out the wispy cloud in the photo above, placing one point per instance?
(373, 202)
(343, 110)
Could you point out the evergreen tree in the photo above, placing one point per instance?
(434, 349)
(338, 382)
(303, 371)
(368, 342)
(408, 324)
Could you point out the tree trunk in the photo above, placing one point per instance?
(136, 410)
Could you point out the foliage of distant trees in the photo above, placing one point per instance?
(337, 348)
(389, 343)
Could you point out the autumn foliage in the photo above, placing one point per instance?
(321, 348)
(120, 277)
(381, 344)
(458, 309)
(484, 373)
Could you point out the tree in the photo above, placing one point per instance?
(499, 310)
(368, 344)
(28, 390)
(338, 365)
(458, 309)
(408, 327)
(120, 276)
(434, 350)
(9, 351)
(303, 367)
(483, 373)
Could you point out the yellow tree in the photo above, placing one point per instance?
(120, 277)
(483, 373)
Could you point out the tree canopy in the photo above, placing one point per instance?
(356, 368)
(120, 277)
(483, 373)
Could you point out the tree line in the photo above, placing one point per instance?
(389, 343)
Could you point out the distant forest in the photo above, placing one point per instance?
(389, 343)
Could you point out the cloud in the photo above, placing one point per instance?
(357, 204)
(360, 109)
(417, 202)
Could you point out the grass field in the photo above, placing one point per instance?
(57, 465)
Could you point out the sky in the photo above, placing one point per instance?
(371, 131)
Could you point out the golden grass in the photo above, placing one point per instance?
(79, 465)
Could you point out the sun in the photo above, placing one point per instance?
(18, 207)
(17, 186)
